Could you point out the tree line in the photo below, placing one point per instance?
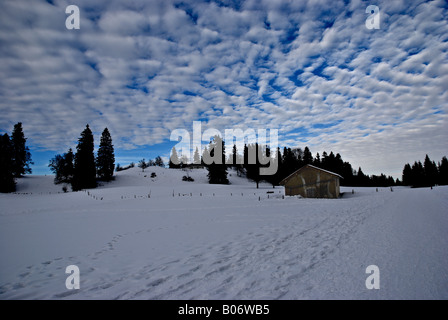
(82, 169)
(287, 162)
(157, 162)
(427, 174)
(15, 158)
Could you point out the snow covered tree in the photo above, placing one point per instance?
(84, 169)
(217, 170)
(105, 161)
(21, 156)
(7, 183)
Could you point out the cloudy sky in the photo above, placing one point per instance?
(310, 69)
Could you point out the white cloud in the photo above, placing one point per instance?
(144, 68)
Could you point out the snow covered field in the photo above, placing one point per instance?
(223, 244)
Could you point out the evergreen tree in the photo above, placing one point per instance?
(253, 165)
(443, 171)
(84, 170)
(277, 177)
(290, 162)
(69, 165)
(407, 175)
(183, 161)
(62, 167)
(217, 170)
(324, 160)
(196, 156)
(298, 159)
(316, 161)
(418, 174)
(431, 172)
(105, 161)
(233, 159)
(174, 159)
(7, 183)
(272, 161)
(347, 173)
(21, 156)
(142, 164)
(362, 179)
(159, 162)
(205, 155)
(307, 156)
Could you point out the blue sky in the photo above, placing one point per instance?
(310, 69)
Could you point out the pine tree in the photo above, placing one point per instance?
(69, 165)
(407, 175)
(272, 162)
(253, 169)
(277, 177)
(21, 156)
(196, 157)
(347, 174)
(7, 183)
(431, 172)
(142, 165)
(62, 167)
(307, 156)
(418, 174)
(84, 170)
(174, 159)
(205, 155)
(362, 179)
(217, 170)
(290, 162)
(324, 160)
(443, 171)
(159, 161)
(316, 161)
(105, 161)
(183, 161)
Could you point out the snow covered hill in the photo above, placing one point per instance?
(163, 238)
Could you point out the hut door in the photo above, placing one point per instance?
(310, 193)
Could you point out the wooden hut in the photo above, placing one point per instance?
(312, 182)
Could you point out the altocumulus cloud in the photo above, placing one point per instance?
(309, 68)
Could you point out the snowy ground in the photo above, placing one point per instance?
(223, 244)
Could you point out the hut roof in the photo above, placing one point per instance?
(308, 166)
